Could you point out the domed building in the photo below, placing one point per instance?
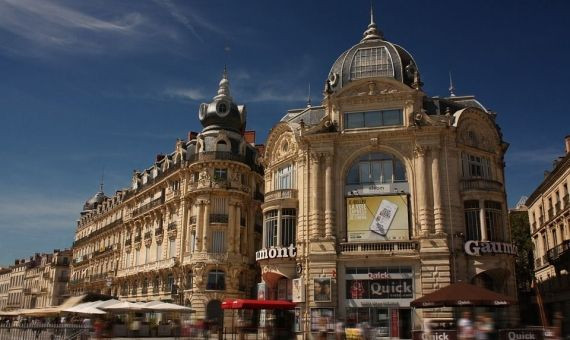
(187, 229)
(381, 195)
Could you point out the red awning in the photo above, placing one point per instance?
(257, 304)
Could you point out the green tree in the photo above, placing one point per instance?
(520, 233)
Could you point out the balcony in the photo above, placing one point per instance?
(103, 251)
(537, 263)
(480, 184)
(218, 218)
(225, 156)
(388, 248)
(146, 207)
(147, 267)
(281, 194)
(172, 194)
(97, 232)
(559, 252)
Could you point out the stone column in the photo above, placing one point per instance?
(329, 197)
(231, 226)
(238, 231)
(206, 226)
(314, 193)
(436, 184)
(483, 222)
(422, 197)
(199, 225)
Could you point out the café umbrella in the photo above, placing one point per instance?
(462, 294)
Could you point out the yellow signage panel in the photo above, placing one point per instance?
(377, 218)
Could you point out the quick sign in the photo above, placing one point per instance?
(478, 248)
(521, 334)
(435, 335)
(276, 252)
(379, 289)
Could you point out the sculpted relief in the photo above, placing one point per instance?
(284, 147)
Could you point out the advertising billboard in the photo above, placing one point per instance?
(377, 218)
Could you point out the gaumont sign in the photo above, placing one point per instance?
(276, 252)
(478, 248)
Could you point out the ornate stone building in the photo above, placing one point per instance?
(383, 194)
(187, 229)
(549, 217)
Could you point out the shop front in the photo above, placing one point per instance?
(380, 297)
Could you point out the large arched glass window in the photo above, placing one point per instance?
(376, 168)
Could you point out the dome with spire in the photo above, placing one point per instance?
(222, 113)
(94, 201)
(373, 57)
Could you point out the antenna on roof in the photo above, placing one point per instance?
(371, 13)
(451, 87)
(309, 96)
(102, 179)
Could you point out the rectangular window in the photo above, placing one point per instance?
(494, 220)
(554, 238)
(368, 119)
(476, 166)
(271, 228)
(171, 247)
(137, 257)
(220, 174)
(219, 205)
(218, 241)
(288, 227)
(472, 220)
(158, 251)
(285, 177)
(147, 255)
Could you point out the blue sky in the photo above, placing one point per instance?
(93, 85)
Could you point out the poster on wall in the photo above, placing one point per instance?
(322, 289)
(298, 290)
(322, 319)
(261, 291)
(377, 218)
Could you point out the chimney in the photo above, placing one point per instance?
(192, 135)
(567, 143)
(249, 137)
(159, 157)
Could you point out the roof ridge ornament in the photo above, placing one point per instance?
(372, 32)
(451, 87)
(224, 87)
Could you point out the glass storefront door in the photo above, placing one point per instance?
(383, 322)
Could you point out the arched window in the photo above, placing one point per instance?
(216, 280)
(376, 168)
(221, 145)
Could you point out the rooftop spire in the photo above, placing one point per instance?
(372, 32)
(224, 88)
(102, 180)
(309, 96)
(451, 87)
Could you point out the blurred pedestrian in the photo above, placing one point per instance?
(465, 327)
(339, 330)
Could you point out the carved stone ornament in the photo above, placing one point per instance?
(420, 150)
(370, 89)
(198, 271)
(284, 147)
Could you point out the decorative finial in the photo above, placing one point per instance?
(372, 32)
(224, 88)
(451, 87)
(309, 96)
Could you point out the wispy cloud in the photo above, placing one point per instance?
(539, 156)
(274, 95)
(38, 212)
(185, 93)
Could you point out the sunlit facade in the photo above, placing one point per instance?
(383, 194)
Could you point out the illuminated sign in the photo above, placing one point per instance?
(276, 252)
(478, 248)
(377, 218)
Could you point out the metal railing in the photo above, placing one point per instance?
(380, 247)
(218, 218)
(555, 253)
(97, 232)
(157, 265)
(225, 156)
(146, 207)
(43, 331)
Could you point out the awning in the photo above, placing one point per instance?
(257, 304)
(166, 307)
(462, 294)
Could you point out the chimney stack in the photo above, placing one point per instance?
(249, 137)
(159, 157)
(567, 143)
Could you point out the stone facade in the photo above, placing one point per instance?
(379, 190)
(186, 230)
(549, 217)
(40, 281)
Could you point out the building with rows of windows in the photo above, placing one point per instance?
(186, 230)
(383, 194)
(549, 217)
